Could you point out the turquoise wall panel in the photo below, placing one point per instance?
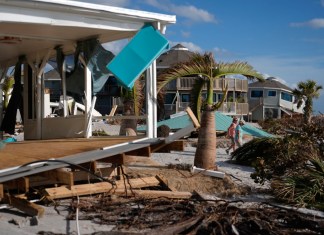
(147, 45)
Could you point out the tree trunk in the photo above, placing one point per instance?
(205, 156)
(128, 126)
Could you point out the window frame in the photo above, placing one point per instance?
(256, 97)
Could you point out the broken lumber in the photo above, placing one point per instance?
(24, 205)
(102, 187)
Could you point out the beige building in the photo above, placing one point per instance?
(178, 92)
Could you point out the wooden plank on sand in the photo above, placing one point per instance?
(102, 187)
(24, 205)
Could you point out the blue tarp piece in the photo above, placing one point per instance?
(10, 140)
(146, 46)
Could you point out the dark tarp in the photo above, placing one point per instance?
(15, 102)
(96, 58)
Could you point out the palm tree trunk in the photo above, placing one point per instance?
(308, 110)
(128, 126)
(205, 156)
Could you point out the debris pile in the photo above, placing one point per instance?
(195, 216)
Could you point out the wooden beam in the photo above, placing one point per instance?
(164, 182)
(139, 160)
(102, 187)
(60, 175)
(158, 193)
(24, 205)
(1, 192)
(177, 145)
(103, 172)
(193, 117)
(116, 159)
(146, 152)
(21, 184)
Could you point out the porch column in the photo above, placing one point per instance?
(65, 104)
(39, 111)
(151, 97)
(87, 105)
(2, 75)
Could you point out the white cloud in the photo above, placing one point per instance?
(191, 46)
(314, 23)
(219, 52)
(289, 69)
(322, 2)
(185, 34)
(187, 11)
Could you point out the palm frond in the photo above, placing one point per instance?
(237, 67)
(302, 188)
(198, 65)
(8, 84)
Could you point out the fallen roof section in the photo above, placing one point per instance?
(88, 156)
(222, 122)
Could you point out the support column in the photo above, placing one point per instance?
(65, 105)
(2, 76)
(151, 101)
(154, 92)
(39, 110)
(87, 105)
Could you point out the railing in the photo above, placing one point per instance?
(234, 108)
(219, 84)
(231, 108)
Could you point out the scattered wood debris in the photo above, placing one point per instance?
(195, 216)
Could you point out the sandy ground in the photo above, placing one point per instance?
(12, 221)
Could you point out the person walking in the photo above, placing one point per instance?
(239, 134)
(231, 134)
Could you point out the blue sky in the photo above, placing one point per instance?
(279, 38)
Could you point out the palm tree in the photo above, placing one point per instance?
(306, 92)
(7, 87)
(207, 70)
(132, 104)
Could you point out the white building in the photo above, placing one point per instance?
(271, 99)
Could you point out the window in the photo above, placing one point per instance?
(185, 97)
(286, 96)
(169, 98)
(272, 93)
(256, 93)
(220, 97)
(214, 97)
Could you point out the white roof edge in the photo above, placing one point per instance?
(81, 6)
(270, 88)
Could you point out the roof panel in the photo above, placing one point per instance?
(38, 25)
